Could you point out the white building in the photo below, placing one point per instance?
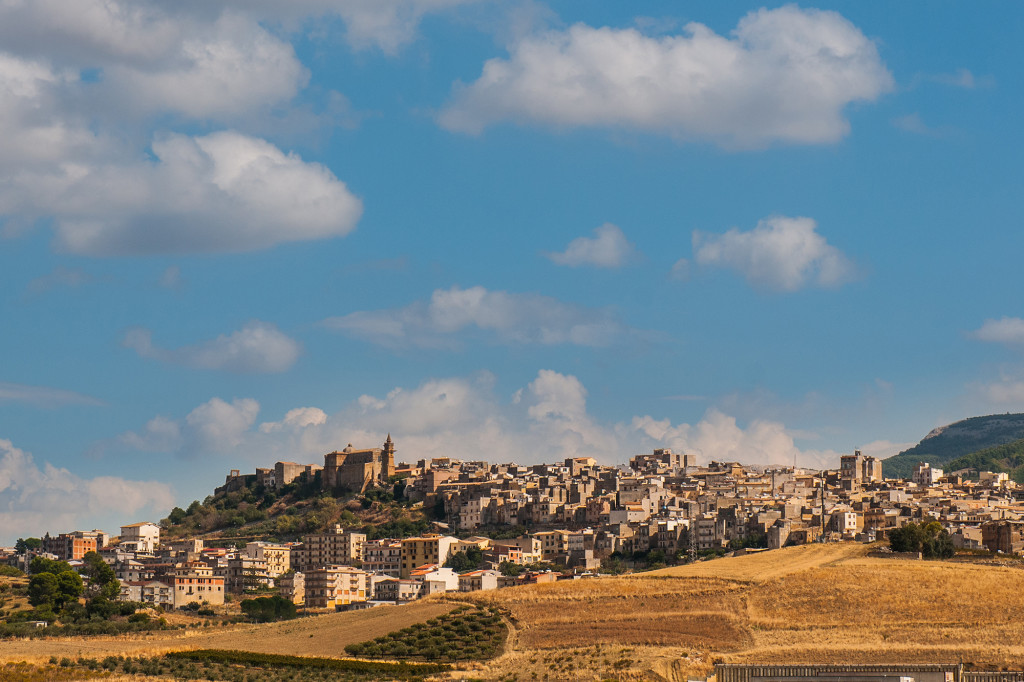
(140, 537)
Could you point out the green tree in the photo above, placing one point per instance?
(25, 544)
(69, 588)
(43, 589)
(510, 569)
(41, 564)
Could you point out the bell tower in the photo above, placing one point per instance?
(387, 455)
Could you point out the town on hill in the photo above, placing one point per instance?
(483, 526)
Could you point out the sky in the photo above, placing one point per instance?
(233, 233)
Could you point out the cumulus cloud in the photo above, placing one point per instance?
(81, 83)
(608, 248)
(258, 347)
(783, 75)
(42, 396)
(506, 317)
(780, 254)
(222, 192)
(1008, 331)
(299, 418)
(35, 499)
(216, 427)
(544, 421)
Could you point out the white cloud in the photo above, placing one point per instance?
(218, 426)
(784, 75)
(545, 421)
(222, 192)
(1006, 330)
(151, 59)
(608, 248)
(507, 317)
(42, 396)
(780, 254)
(34, 500)
(258, 347)
(299, 418)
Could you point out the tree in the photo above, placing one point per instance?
(23, 545)
(102, 579)
(470, 560)
(43, 589)
(931, 540)
(510, 569)
(69, 588)
(41, 564)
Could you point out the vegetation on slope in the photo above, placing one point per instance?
(947, 443)
(463, 634)
(1007, 459)
(256, 512)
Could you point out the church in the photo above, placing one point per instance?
(355, 470)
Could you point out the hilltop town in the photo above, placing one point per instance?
(577, 517)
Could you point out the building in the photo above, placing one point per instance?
(293, 587)
(277, 557)
(73, 546)
(383, 556)
(1003, 536)
(154, 592)
(397, 590)
(333, 586)
(428, 549)
(337, 547)
(474, 581)
(857, 468)
(140, 537)
(246, 574)
(198, 584)
(355, 470)
(925, 474)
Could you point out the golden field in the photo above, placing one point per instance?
(810, 604)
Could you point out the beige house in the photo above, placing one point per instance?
(277, 557)
(334, 586)
(428, 549)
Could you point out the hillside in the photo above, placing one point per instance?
(1007, 458)
(254, 512)
(947, 443)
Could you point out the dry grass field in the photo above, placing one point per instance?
(317, 636)
(812, 604)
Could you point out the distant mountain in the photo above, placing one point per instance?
(1007, 459)
(956, 440)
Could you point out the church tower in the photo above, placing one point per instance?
(387, 456)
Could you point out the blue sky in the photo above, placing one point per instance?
(233, 233)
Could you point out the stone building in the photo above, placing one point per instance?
(355, 470)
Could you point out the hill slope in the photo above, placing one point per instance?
(1007, 458)
(947, 443)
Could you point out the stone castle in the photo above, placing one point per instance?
(348, 470)
(353, 469)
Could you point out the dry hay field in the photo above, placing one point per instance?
(324, 635)
(809, 604)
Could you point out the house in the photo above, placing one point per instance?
(333, 586)
(140, 537)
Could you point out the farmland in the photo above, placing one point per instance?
(811, 604)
